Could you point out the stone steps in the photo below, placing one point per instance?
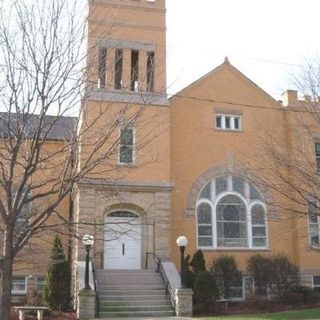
(132, 293)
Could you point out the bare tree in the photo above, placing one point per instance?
(287, 160)
(44, 124)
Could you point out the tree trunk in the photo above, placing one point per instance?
(7, 265)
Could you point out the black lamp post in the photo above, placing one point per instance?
(182, 242)
(87, 240)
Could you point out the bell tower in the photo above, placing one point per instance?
(128, 50)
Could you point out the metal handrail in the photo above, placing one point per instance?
(96, 290)
(159, 269)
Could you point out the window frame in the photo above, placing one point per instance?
(249, 203)
(19, 292)
(243, 290)
(317, 157)
(132, 148)
(41, 283)
(313, 285)
(22, 222)
(231, 118)
(309, 226)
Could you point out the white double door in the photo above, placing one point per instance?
(122, 246)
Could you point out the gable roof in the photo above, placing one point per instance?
(54, 127)
(226, 65)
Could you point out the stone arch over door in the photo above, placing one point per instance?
(221, 170)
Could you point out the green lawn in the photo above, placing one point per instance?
(288, 315)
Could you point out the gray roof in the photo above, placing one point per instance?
(54, 127)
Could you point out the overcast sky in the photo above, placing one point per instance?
(264, 39)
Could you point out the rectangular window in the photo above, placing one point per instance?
(236, 291)
(317, 149)
(118, 69)
(316, 283)
(228, 122)
(313, 217)
(22, 221)
(19, 285)
(40, 283)
(134, 70)
(126, 145)
(150, 71)
(219, 122)
(102, 67)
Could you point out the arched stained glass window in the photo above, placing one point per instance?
(231, 213)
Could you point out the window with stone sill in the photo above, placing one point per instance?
(228, 122)
(231, 214)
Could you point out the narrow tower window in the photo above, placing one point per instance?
(134, 70)
(150, 71)
(118, 69)
(126, 154)
(102, 67)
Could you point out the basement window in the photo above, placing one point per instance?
(228, 122)
(316, 283)
(150, 71)
(102, 67)
(118, 69)
(134, 86)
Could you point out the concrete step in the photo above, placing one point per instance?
(114, 303)
(125, 297)
(118, 272)
(132, 292)
(136, 314)
(131, 288)
(135, 308)
(123, 282)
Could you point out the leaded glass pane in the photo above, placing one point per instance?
(126, 137)
(221, 184)
(259, 242)
(257, 215)
(206, 192)
(126, 154)
(254, 193)
(232, 243)
(231, 208)
(238, 184)
(204, 230)
(205, 241)
(258, 231)
(204, 214)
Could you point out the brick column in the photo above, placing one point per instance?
(184, 304)
(110, 68)
(142, 71)
(126, 70)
